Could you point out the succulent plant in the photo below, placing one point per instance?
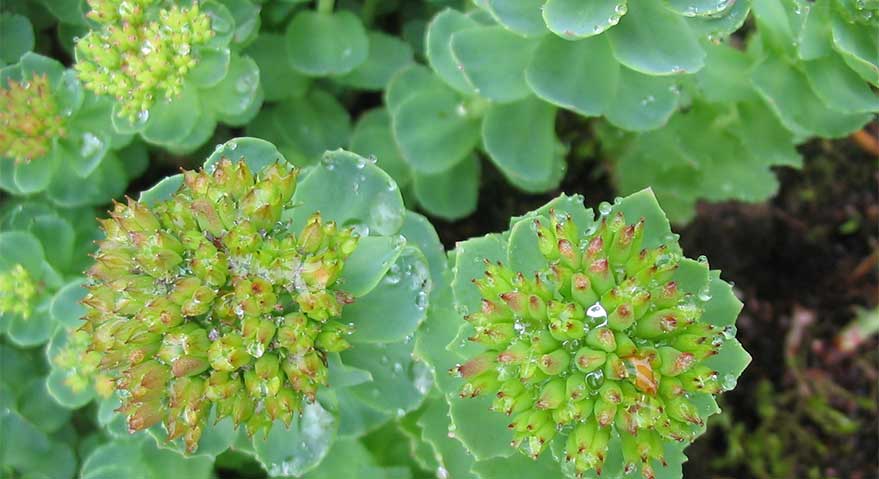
(32, 426)
(57, 139)
(230, 296)
(799, 77)
(173, 71)
(598, 346)
(42, 250)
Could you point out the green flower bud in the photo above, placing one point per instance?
(601, 342)
(206, 300)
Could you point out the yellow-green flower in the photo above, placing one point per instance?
(602, 342)
(29, 119)
(17, 291)
(208, 300)
(142, 53)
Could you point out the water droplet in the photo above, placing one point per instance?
(421, 300)
(385, 359)
(442, 473)
(604, 208)
(596, 311)
(729, 332)
(146, 47)
(183, 49)
(595, 379)
(90, 146)
(232, 145)
(142, 117)
(393, 275)
(729, 382)
(461, 110)
(705, 294)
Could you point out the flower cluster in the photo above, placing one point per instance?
(141, 54)
(603, 340)
(17, 291)
(208, 299)
(29, 119)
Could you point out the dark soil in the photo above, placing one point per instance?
(809, 253)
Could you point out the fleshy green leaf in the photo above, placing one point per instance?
(520, 16)
(786, 90)
(16, 37)
(520, 139)
(573, 19)
(279, 80)
(398, 384)
(493, 60)
(372, 137)
(257, 153)
(163, 190)
(438, 46)
(560, 69)
(321, 44)
(642, 102)
(349, 190)
(369, 263)
(450, 194)
(295, 451)
(387, 55)
(66, 308)
(434, 130)
(469, 263)
(395, 307)
(653, 40)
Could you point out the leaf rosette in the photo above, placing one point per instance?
(44, 250)
(57, 139)
(241, 295)
(174, 70)
(598, 346)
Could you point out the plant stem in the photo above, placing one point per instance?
(325, 6)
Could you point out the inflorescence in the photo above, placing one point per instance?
(29, 119)
(604, 339)
(208, 299)
(142, 52)
(17, 292)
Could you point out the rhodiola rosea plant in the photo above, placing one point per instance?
(581, 346)
(174, 70)
(243, 295)
(179, 300)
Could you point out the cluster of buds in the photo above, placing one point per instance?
(17, 292)
(80, 365)
(142, 53)
(208, 299)
(29, 119)
(602, 340)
